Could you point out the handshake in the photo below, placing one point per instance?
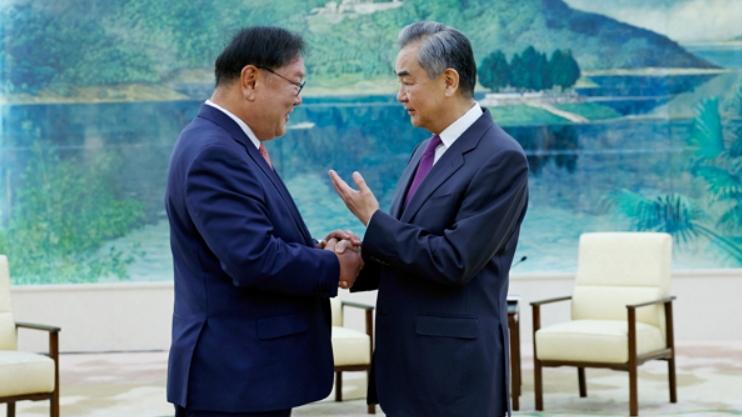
(347, 247)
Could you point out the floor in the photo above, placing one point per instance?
(709, 385)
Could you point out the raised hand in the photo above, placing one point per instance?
(362, 202)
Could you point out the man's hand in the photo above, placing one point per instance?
(362, 203)
(351, 262)
(340, 235)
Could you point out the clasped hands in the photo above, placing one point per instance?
(350, 260)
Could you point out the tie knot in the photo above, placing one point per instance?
(264, 153)
(434, 142)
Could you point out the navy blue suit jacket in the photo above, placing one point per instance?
(251, 324)
(441, 267)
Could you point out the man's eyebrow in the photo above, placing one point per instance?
(401, 73)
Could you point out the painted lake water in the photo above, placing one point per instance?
(573, 167)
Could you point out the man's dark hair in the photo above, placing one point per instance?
(262, 46)
(442, 47)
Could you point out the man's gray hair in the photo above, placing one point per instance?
(442, 47)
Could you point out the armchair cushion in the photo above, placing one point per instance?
(350, 347)
(25, 373)
(595, 341)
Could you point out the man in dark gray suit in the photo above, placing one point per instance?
(441, 258)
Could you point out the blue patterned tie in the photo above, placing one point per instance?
(426, 163)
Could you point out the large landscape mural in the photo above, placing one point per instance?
(630, 113)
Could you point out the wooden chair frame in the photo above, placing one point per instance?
(53, 396)
(340, 369)
(635, 360)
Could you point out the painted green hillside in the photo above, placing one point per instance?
(54, 44)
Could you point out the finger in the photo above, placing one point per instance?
(330, 245)
(343, 284)
(341, 187)
(337, 234)
(360, 182)
(354, 239)
(321, 244)
(340, 247)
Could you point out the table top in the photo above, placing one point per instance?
(513, 304)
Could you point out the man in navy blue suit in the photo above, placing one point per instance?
(251, 323)
(441, 258)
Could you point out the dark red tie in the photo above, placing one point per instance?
(426, 163)
(264, 152)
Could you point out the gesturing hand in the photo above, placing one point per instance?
(362, 202)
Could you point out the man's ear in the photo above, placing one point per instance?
(451, 80)
(249, 82)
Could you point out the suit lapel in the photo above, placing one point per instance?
(234, 130)
(451, 161)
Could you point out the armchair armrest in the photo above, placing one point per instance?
(669, 331)
(369, 318)
(551, 300)
(34, 326)
(53, 338)
(366, 307)
(649, 303)
(536, 306)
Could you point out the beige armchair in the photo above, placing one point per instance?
(621, 312)
(351, 349)
(25, 375)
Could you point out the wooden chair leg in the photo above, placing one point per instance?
(581, 378)
(538, 385)
(54, 405)
(338, 386)
(673, 384)
(11, 409)
(371, 407)
(633, 394)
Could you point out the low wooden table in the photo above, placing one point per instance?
(514, 328)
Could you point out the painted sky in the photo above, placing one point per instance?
(685, 21)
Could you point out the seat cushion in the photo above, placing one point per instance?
(595, 341)
(350, 347)
(25, 373)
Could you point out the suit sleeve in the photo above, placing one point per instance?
(227, 205)
(490, 212)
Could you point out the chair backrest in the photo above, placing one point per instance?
(337, 311)
(8, 339)
(619, 268)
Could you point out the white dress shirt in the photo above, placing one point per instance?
(245, 128)
(456, 129)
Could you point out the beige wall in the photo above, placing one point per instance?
(129, 316)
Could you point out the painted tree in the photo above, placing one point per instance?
(530, 70)
(717, 162)
(564, 70)
(494, 73)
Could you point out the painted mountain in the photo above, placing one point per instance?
(685, 21)
(50, 44)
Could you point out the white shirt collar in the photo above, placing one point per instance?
(457, 128)
(245, 128)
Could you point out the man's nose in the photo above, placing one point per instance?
(401, 96)
(297, 101)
